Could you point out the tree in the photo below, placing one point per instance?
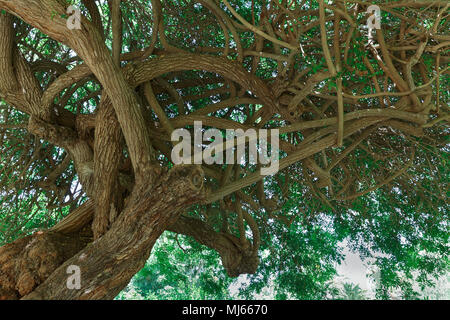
(88, 114)
(352, 291)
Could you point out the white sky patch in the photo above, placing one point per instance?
(355, 270)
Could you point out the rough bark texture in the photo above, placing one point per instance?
(107, 156)
(26, 263)
(35, 267)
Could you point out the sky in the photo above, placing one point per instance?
(355, 270)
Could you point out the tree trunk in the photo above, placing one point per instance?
(35, 267)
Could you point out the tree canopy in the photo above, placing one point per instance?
(86, 117)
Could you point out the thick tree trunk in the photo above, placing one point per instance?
(36, 267)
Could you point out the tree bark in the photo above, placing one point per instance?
(35, 267)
